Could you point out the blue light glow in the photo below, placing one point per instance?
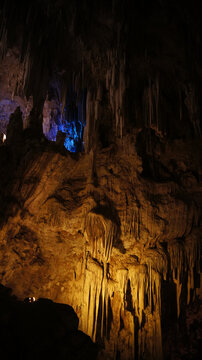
(72, 135)
(71, 122)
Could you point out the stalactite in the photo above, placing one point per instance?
(93, 277)
(185, 257)
(3, 39)
(180, 105)
(116, 85)
(125, 300)
(157, 259)
(136, 288)
(26, 70)
(178, 263)
(135, 294)
(97, 291)
(144, 283)
(192, 247)
(101, 233)
(89, 129)
(157, 102)
(191, 103)
(151, 104)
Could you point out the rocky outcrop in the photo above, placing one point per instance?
(41, 329)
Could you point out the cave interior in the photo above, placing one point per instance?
(100, 185)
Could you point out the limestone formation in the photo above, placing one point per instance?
(108, 257)
(112, 226)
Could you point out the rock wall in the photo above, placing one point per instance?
(91, 231)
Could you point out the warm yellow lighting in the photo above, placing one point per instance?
(31, 299)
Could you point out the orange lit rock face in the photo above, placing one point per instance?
(91, 231)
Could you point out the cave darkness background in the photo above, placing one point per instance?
(122, 75)
(160, 41)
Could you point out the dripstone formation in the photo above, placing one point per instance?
(113, 226)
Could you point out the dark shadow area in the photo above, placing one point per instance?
(147, 142)
(181, 337)
(41, 329)
(104, 321)
(129, 299)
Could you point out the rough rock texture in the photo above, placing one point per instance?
(11, 96)
(91, 231)
(114, 231)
